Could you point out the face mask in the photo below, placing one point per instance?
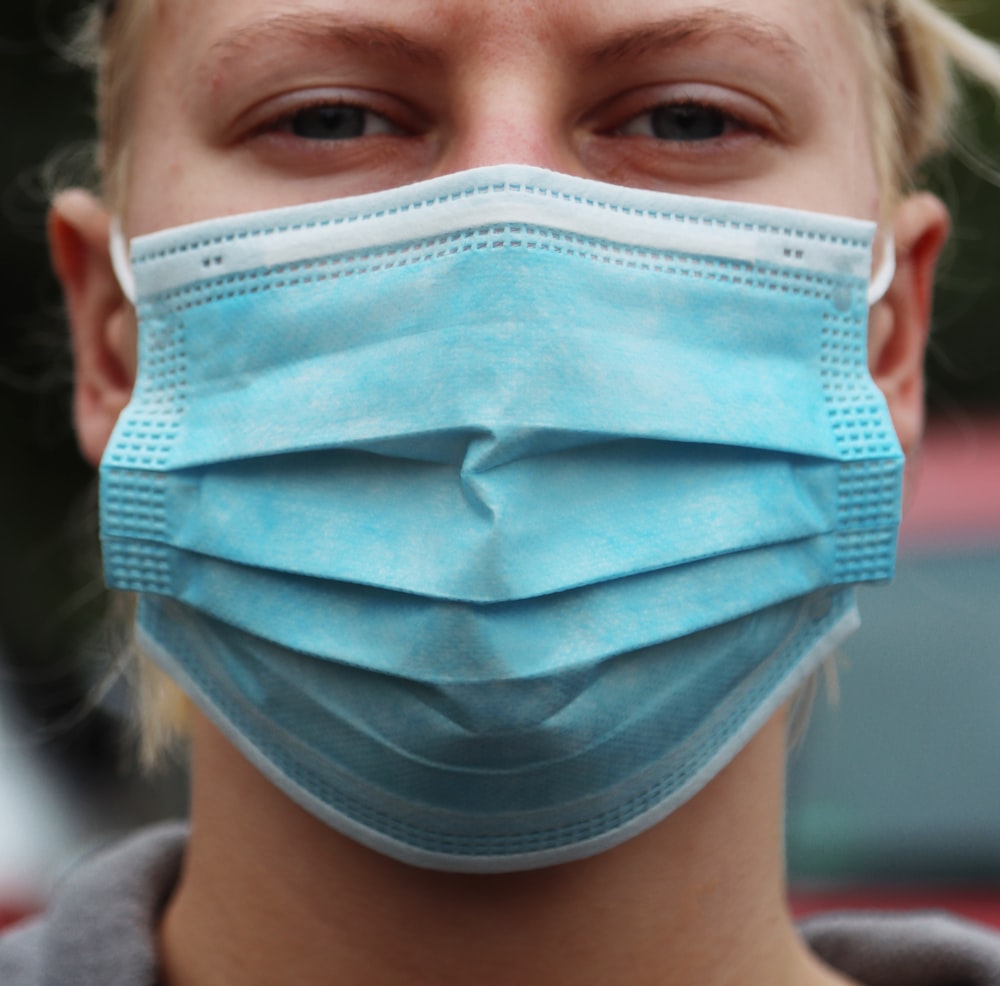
(491, 516)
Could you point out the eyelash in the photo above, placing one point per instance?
(732, 123)
(381, 122)
(729, 123)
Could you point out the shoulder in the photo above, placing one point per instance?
(926, 949)
(99, 929)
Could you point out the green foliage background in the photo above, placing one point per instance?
(49, 584)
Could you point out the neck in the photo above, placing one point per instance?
(270, 894)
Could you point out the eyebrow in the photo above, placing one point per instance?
(697, 26)
(324, 30)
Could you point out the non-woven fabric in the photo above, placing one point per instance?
(475, 445)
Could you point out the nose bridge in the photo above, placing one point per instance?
(511, 109)
(507, 142)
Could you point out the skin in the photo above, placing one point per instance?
(269, 894)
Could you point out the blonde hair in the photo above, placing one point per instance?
(913, 53)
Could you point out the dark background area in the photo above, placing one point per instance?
(49, 586)
(50, 596)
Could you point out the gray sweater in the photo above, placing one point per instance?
(99, 931)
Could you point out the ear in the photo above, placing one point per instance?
(900, 323)
(101, 319)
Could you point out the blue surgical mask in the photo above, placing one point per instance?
(491, 516)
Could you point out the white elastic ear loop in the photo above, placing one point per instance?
(120, 260)
(881, 280)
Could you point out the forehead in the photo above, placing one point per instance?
(813, 29)
(490, 71)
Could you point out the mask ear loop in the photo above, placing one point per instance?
(120, 262)
(882, 278)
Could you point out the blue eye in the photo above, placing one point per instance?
(337, 121)
(687, 122)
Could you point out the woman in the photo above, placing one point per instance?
(508, 430)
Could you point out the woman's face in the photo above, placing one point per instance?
(250, 104)
(244, 105)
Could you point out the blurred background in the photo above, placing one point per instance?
(896, 785)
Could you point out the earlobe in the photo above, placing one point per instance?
(899, 325)
(101, 319)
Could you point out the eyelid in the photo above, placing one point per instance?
(750, 115)
(732, 121)
(376, 124)
(268, 116)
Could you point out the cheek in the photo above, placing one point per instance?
(879, 335)
(124, 337)
(895, 362)
(162, 171)
(120, 356)
(851, 123)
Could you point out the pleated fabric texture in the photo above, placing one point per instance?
(490, 516)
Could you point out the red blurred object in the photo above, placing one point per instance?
(980, 905)
(954, 479)
(954, 504)
(10, 914)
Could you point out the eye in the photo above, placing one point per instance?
(683, 122)
(336, 121)
(355, 140)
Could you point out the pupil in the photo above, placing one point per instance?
(689, 122)
(329, 122)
